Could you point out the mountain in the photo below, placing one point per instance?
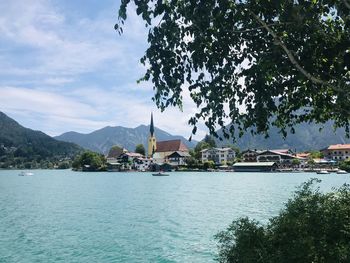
(306, 137)
(17, 141)
(102, 140)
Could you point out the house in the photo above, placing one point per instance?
(337, 152)
(165, 167)
(218, 155)
(165, 149)
(113, 165)
(142, 163)
(255, 167)
(112, 158)
(127, 160)
(278, 156)
(250, 155)
(177, 158)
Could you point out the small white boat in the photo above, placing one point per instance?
(342, 172)
(322, 172)
(25, 174)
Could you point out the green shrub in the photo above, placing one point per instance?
(208, 165)
(313, 227)
(345, 165)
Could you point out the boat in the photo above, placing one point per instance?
(322, 172)
(160, 174)
(342, 172)
(25, 174)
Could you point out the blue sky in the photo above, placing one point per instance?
(64, 68)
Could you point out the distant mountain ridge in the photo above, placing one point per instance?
(18, 141)
(103, 139)
(306, 137)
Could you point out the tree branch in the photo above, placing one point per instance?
(256, 28)
(291, 57)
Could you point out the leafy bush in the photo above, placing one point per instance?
(208, 165)
(345, 165)
(89, 161)
(313, 227)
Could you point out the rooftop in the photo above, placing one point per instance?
(171, 146)
(217, 149)
(261, 164)
(339, 147)
(180, 154)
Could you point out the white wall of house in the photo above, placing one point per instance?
(142, 164)
(338, 155)
(176, 161)
(218, 155)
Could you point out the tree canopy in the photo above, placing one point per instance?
(115, 151)
(89, 161)
(313, 227)
(140, 149)
(255, 64)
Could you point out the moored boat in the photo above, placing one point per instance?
(25, 174)
(160, 174)
(322, 172)
(342, 172)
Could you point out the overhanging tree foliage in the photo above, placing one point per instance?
(256, 63)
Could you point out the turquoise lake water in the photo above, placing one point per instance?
(65, 216)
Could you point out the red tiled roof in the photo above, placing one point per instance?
(339, 147)
(170, 146)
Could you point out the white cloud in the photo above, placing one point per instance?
(68, 47)
(88, 109)
(37, 101)
(56, 71)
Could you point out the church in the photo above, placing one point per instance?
(173, 152)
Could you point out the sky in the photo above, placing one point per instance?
(64, 68)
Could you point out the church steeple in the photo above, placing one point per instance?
(151, 128)
(152, 143)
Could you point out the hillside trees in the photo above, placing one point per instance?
(255, 64)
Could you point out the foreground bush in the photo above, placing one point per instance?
(313, 227)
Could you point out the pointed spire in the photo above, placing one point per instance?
(151, 128)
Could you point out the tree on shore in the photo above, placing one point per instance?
(313, 227)
(296, 162)
(115, 151)
(140, 149)
(89, 161)
(256, 63)
(316, 155)
(345, 165)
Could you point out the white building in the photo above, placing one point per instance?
(177, 158)
(337, 152)
(218, 155)
(142, 164)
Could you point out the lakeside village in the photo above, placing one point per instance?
(174, 155)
